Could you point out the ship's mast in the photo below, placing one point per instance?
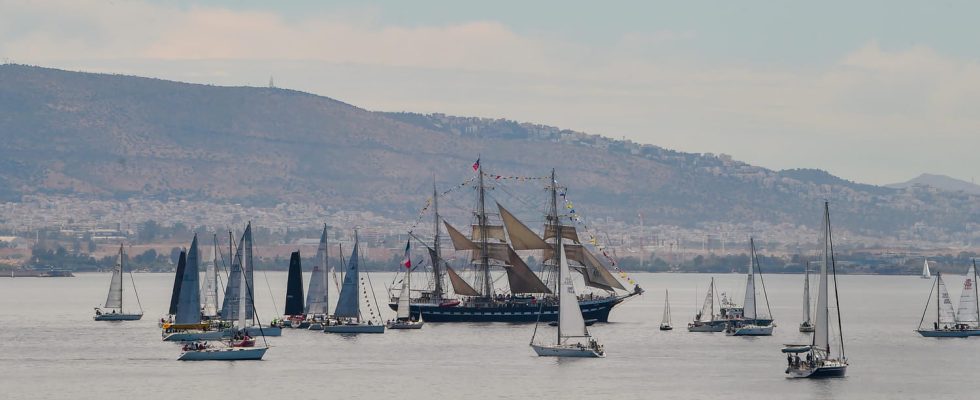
(436, 264)
(484, 245)
(552, 220)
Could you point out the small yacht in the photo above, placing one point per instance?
(113, 309)
(347, 315)
(665, 321)
(705, 320)
(807, 325)
(752, 322)
(822, 358)
(943, 321)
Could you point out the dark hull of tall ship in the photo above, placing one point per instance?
(596, 309)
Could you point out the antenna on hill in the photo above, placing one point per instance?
(272, 83)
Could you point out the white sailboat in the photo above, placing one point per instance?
(317, 303)
(571, 324)
(752, 322)
(403, 319)
(230, 351)
(925, 269)
(210, 290)
(705, 320)
(964, 321)
(348, 312)
(113, 308)
(806, 325)
(822, 359)
(665, 321)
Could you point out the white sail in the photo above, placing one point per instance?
(666, 319)
(114, 299)
(403, 301)
(210, 308)
(946, 313)
(806, 294)
(570, 321)
(749, 303)
(925, 269)
(316, 296)
(708, 308)
(821, 334)
(967, 312)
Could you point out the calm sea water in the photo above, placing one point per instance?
(51, 348)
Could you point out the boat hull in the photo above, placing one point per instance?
(405, 325)
(232, 354)
(566, 351)
(806, 328)
(705, 327)
(190, 336)
(118, 317)
(597, 309)
(752, 330)
(950, 333)
(834, 371)
(255, 331)
(354, 329)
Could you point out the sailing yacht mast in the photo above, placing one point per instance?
(437, 291)
(553, 219)
(481, 215)
(806, 293)
(120, 278)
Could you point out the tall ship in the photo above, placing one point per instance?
(492, 245)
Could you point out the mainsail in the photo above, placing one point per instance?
(189, 299)
(114, 298)
(925, 269)
(242, 261)
(404, 298)
(178, 279)
(666, 318)
(806, 294)
(821, 334)
(294, 286)
(210, 307)
(968, 313)
(316, 297)
(748, 306)
(708, 308)
(570, 320)
(946, 314)
(348, 305)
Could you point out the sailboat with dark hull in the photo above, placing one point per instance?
(113, 309)
(493, 246)
(823, 358)
(294, 308)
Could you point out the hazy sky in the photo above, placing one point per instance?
(875, 92)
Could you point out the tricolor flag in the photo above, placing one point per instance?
(407, 262)
(476, 165)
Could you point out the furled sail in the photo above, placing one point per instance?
(114, 299)
(294, 286)
(316, 297)
(189, 299)
(493, 232)
(967, 312)
(521, 278)
(178, 279)
(348, 305)
(460, 242)
(459, 285)
(570, 320)
(806, 294)
(521, 237)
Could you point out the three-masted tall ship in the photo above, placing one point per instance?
(493, 246)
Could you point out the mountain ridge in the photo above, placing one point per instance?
(116, 136)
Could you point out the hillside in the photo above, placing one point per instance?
(118, 137)
(941, 182)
